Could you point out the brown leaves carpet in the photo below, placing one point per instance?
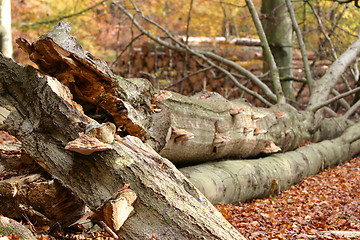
(324, 206)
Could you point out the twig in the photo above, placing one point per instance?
(353, 109)
(229, 3)
(63, 17)
(274, 72)
(296, 27)
(126, 47)
(288, 78)
(187, 41)
(188, 76)
(188, 22)
(298, 94)
(318, 106)
(321, 26)
(108, 229)
(356, 2)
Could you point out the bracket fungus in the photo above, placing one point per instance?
(180, 135)
(97, 137)
(87, 145)
(271, 147)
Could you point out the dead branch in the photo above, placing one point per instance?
(318, 106)
(330, 78)
(309, 78)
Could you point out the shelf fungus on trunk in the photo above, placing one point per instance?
(163, 95)
(248, 130)
(115, 211)
(97, 137)
(271, 147)
(236, 110)
(220, 141)
(257, 116)
(180, 135)
(279, 114)
(258, 131)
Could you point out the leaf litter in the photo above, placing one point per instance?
(324, 206)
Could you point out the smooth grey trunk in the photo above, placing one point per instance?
(233, 181)
(278, 28)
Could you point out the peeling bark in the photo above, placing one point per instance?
(168, 205)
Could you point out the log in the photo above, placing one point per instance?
(42, 114)
(27, 190)
(234, 181)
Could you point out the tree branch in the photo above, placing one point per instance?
(352, 110)
(318, 106)
(64, 17)
(321, 26)
(330, 78)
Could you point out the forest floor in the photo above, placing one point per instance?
(324, 206)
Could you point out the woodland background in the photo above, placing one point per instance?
(109, 35)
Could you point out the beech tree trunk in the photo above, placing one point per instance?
(278, 28)
(233, 181)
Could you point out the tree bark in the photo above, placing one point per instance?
(278, 28)
(235, 181)
(41, 113)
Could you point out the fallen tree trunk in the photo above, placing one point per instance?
(235, 181)
(220, 128)
(35, 108)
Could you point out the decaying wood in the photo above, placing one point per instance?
(90, 80)
(41, 200)
(27, 191)
(168, 206)
(116, 211)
